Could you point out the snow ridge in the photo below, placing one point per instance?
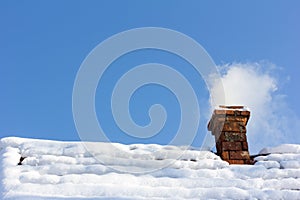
(66, 170)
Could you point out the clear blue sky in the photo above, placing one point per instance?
(43, 43)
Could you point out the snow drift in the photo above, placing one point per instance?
(66, 170)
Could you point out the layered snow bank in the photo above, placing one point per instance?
(283, 156)
(66, 170)
(284, 148)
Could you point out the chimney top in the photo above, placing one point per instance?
(232, 107)
(233, 111)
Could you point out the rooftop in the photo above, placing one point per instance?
(67, 170)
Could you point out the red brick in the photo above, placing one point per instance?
(217, 137)
(222, 112)
(217, 120)
(229, 128)
(219, 146)
(233, 137)
(249, 162)
(217, 123)
(213, 124)
(230, 118)
(233, 127)
(233, 112)
(231, 146)
(240, 162)
(245, 146)
(225, 155)
(239, 155)
(245, 113)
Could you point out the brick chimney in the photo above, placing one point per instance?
(228, 125)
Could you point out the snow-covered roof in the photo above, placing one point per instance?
(66, 170)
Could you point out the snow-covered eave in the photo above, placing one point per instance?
(65, 170)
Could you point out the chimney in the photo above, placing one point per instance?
(228, 125)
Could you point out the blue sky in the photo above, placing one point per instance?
(43, 43)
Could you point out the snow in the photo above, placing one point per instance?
(284, 148)
(285, 156)
(67, 170)
(232, 107)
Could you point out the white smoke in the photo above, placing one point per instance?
(254, 85)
